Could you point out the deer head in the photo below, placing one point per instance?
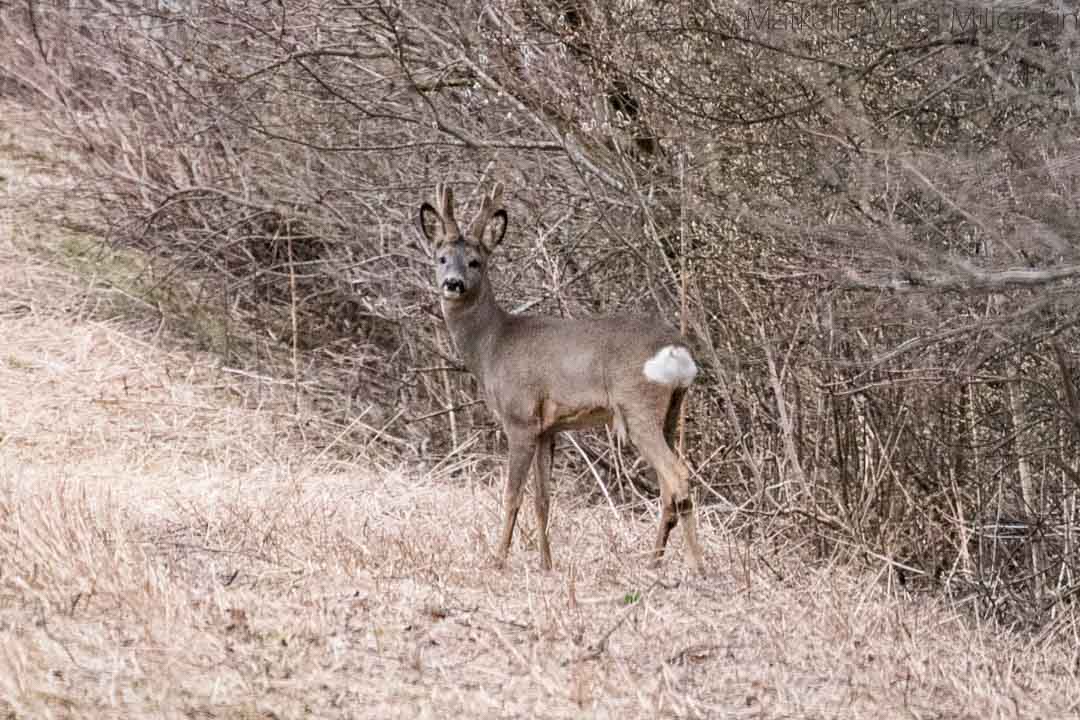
(461, 260)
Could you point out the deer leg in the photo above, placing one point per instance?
(545, 451)
(668, 519)
(675, 501)
(686, 507)
(689, 524)
(517, 469)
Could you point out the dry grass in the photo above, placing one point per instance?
(171, 546)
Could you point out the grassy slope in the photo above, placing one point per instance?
(170, 546)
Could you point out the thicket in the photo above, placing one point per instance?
(870, 208)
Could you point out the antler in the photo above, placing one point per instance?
(444, 200)
(491, 204)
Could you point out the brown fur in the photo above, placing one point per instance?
(542, 375)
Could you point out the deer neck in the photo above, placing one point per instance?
(475, 325)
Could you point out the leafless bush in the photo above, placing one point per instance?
(877, 206)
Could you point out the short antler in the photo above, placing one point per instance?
(444, 201)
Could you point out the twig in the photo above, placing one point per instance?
(597, 648)
(682, 285)
(437, 413)
(295, 347)
(595, 474)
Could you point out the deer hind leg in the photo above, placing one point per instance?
(668, 520)
(522, 450)
(545, 451)
(689, 525)
(689, 518)
(676, 502)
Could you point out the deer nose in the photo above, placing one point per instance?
(454, 285)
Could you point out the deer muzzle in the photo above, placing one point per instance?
(453, 287)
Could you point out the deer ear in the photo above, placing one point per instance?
(496, 229)
(428, 220)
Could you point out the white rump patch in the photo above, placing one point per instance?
(672, 365)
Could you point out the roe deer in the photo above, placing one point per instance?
(541, 375)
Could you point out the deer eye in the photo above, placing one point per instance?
(474, 263)
(442, 260)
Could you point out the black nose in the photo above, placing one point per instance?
(454, 285)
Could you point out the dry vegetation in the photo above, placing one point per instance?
(241, 474)
(870, 215)
(172, 546)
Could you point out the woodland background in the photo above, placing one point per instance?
(870, 209)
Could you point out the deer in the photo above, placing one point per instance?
(541, 375)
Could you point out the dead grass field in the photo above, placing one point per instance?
(172, 547)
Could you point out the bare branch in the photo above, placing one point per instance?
(912, 281)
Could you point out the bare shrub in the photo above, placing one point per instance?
(871, 213)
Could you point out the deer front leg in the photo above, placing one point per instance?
(544, 452)
(522, 450)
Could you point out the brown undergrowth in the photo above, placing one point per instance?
(172, 544)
